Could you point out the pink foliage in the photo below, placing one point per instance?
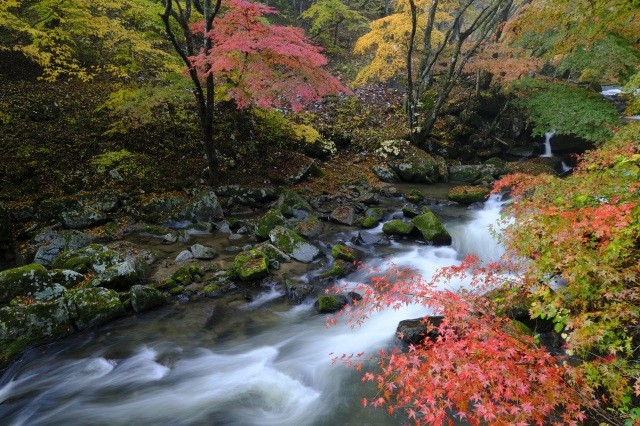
(261, 64)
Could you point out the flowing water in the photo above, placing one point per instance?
(257, 363)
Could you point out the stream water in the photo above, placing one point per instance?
(250, 363)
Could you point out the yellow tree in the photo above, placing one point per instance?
(84, 37)
(417, 39)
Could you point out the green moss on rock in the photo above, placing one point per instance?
(367, 222)
(251, 265)
(340, 251)
(431, 228)
(90, 307)
(144, 298)
(398, 227)
(329, 304)
(468, 194)
(310, 227)
(339, 269)
(267, 222)
(23, 281)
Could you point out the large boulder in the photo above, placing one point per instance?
(398, 227)
(468, 194)
(473, 173)
(49, 243)
(411, 164)
(310, 227)
(204, 207)
(345, 215)
(293, 244)
(267, 222)
(252, 197)
(251, 265)
(291, 201)
(25, 326)
(144, 298)
(30, 280)
(90, 307)
(431, 228)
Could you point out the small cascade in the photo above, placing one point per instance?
(565, 168)
(547, 143)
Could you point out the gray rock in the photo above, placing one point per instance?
(310, 227)
(120, 276)
(297, 292)
(415, 330)
(83, 217)
(345, 215)
(203, 208)
(201, 252)
(412, 164)
(183, 256)
(367, 239)
(49, 244)
(305, 252)
(144, 298)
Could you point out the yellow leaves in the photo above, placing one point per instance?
(388, 40)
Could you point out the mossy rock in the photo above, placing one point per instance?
(273, 252)
(22, 327)
(144, 298)
(410, 210)
(330, 304)
(174, 291)
(212, 290)
(90, 307)
(414, 196)
(290, 201)
(340, 251)
(367, 222)
(28, 280)
(310, 227)
(339, 269)
(468, 194)
(267, 222)
(285, 239)
(398, 227)
(375, 213)
(94, 256)
(66, 277)
(431, 228)
(530, 168)
(120, 276)
(251, 265)
(181, 276)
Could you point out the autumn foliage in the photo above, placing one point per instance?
(572, 261)
(265, 65)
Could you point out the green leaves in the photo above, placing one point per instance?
(567, 109)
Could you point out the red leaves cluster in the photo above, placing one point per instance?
(261, 64)
(480, 368)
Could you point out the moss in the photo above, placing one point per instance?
(290, 201)
(339, 269)
(174, 291)
(340, 251)
(144, 298)
(212, 290)
(267, 222)
(310, 227)
(431, 228)
(468, 194)
(375, 213)
(398, 227)
(328, 304)
(285, 239)
(182, 275)
(194, 270)
(89, 307)
(367, 222)
(251, 265)
(127, 165)
(414, 196)
(23, 281)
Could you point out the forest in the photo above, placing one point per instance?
(320, 212)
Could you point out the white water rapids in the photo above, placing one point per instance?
(181, 366)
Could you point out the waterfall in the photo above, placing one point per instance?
(547, 143)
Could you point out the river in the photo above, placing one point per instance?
(262, 362)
